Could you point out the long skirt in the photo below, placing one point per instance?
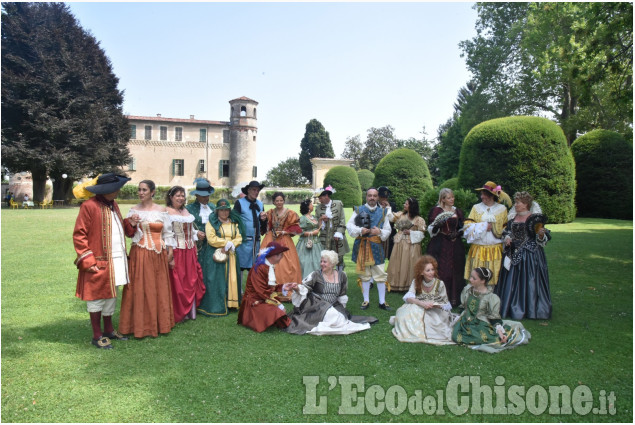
(414, 323)
(146, 303)
(223, 285)
(482, 336)
(187, 282)
(401, 268)
(288, 270)
(309, 257)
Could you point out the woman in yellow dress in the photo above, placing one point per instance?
(282, 224)
(484, 230)
(223, 286)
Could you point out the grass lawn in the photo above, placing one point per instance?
(212, 370)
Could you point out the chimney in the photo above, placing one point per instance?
(191, 117)
(159, 115)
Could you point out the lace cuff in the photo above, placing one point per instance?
(416, 236)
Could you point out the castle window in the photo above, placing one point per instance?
(148, 131)
(201, 166)
(254, 138)
(243, 111)
(223, 168)
(132, 165)
(133, 131)
(178, 167)
(225, 136)
(232, 114)
(254, 171)
(254, 112)
(163, 133)
(202, 135)
(178, 134)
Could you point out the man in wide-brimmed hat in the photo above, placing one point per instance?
(201, 209)
(99, 240)
(260, 307)
(252, 212)
(332, 224)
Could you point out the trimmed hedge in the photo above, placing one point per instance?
(604, 175)
(366, 178)
(129, 192)
(522, 153)
(346, 184)
(405, 173)
(452, 183)
(291, 197)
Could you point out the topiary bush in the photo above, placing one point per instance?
(366, 178)
(405, 173)
(452, 183)
(346, 184)
(522, 153)
(604, 175)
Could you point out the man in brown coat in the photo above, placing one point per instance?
(101, 255)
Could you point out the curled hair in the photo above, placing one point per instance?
(304, 206)
(276, 194)
(420, 267)
(149, 183)
(525, 198)
(484, 273)
(443, 193)
(413, 207)
(330, 256)
(170, 193)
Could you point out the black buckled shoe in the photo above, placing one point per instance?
(385, 307)
(102, 342)
(116, 335)
(364, 305)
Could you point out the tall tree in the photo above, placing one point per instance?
(61, 108)
(353, 150)
(379, 142)
(287, 174)
(316, 143)
(573, 61)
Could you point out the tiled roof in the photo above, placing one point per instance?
(243, 98)
(179, 120)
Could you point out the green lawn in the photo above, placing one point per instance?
(212, 370)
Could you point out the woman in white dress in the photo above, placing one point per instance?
(425, 316)
(320, 303)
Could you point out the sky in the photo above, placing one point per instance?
(351, 66)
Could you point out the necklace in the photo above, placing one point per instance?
(523, 213)
(428, 284)
(332, 277)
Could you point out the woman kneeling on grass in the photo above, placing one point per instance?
(480, 325)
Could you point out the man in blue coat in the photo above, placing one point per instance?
(252, 212)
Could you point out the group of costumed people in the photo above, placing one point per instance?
(188, 259)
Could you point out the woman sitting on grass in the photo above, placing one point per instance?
(480, 325)
(425, 316)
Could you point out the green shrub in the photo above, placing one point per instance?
(346, 184)
(366, 178)
(291, 197)
(405, 173)
(522, 153)
(452, 183)
(604, 175)
(128, 191)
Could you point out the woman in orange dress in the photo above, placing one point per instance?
(282, 224)
(146, 304)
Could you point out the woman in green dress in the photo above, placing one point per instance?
(224, 231)
(309, 246)
(480, 325)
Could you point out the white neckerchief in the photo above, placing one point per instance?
(372, 209)
(204, 212)
(272, 273)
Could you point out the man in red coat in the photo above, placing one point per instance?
(101, 255)
(260, 307)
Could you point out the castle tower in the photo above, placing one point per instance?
(242, 133)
